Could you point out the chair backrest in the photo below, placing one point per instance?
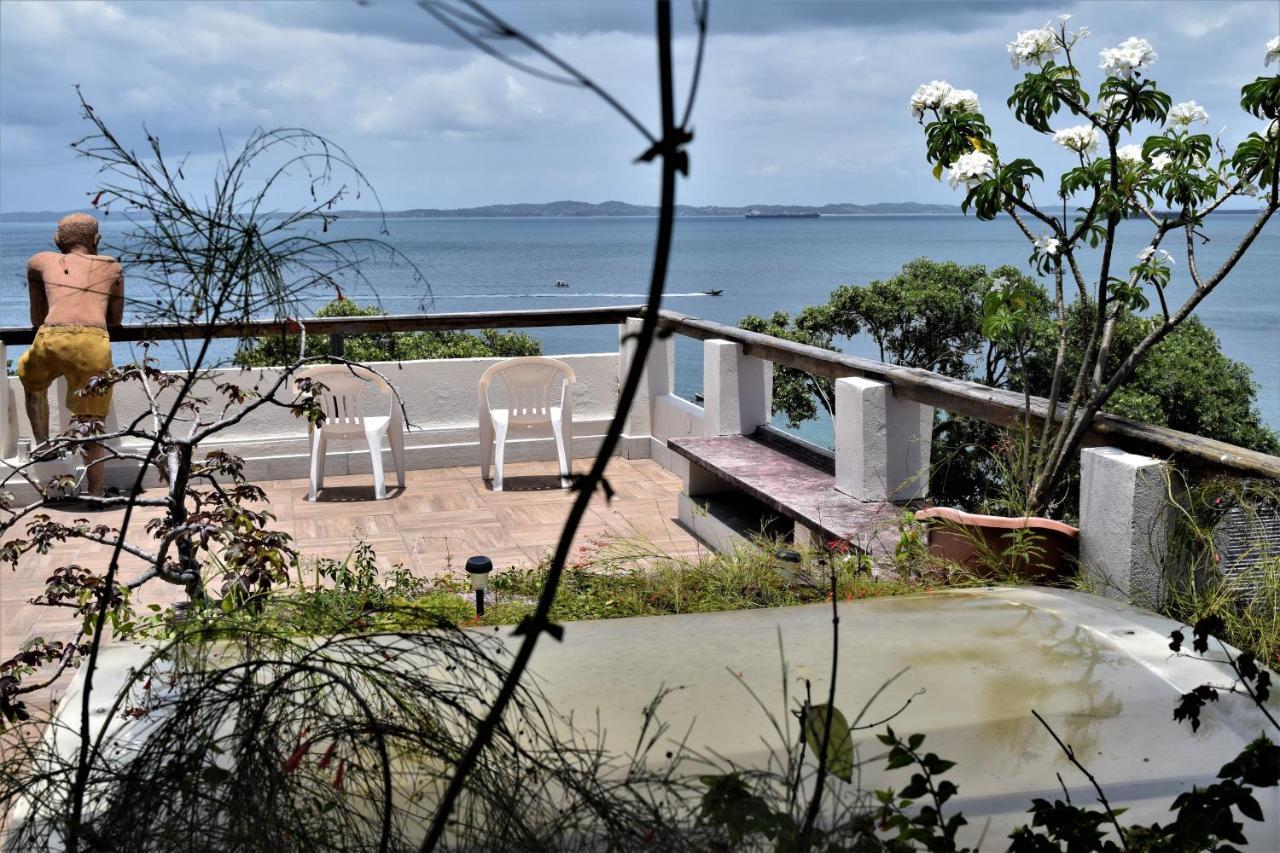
(530, 383)
(342, 399)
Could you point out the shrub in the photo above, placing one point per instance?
(387, 346)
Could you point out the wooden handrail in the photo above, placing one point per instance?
(975, 400)
(527, 319)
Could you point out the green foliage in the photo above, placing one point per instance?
(950, 319)
(1246, 606)
(795, 393)
(1261, 98)
(387, 346)
(730, 805)
(925, 827)
(629, 578)
(1186, 382)
(1039, 96)
(928, 315)
(826, 724)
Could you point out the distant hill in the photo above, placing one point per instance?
(563, 209)
(572, 209)
(560, 209)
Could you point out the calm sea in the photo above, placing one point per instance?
(761, 265)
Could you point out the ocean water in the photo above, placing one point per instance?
(762, 265)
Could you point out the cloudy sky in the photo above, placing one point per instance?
(802, 102)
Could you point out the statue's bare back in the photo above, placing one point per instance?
(77, 289)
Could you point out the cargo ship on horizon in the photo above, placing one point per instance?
(758, 214)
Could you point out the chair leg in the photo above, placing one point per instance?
(379, 480)
(499, 445)
(397, 454)
(318, 447)
(486, 441)
(557, 429)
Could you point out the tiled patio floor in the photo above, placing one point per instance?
(441, 517)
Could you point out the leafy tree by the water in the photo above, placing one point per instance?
(389, 346)
(1186, 382)
(931, 315)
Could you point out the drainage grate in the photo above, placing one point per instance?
(1246, 541)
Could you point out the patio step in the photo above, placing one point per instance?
(797, 483)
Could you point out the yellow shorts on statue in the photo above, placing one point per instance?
(77, 352)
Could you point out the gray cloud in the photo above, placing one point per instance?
(801, 102)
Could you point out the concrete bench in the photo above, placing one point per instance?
(786, 476)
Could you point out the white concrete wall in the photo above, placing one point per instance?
(674, 417)
(441, 402)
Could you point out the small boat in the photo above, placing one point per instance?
(562, 284)
(715, 292)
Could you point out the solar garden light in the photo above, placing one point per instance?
(787, 555)
(478, 569)
(786, 562)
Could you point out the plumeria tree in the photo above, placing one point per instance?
(1138, 155)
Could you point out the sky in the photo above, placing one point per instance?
(800, 102)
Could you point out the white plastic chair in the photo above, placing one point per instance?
(342, 401)
(530, 384)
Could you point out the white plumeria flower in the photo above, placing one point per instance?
(1123, 61)
(1160, 161)
(1160, 255)
(1129, 153)
(1082, 139)
(929, 96)
(1046, 246)
(1273, 51)
(961, 100)
(1187, 112)
(970, 169)
(1034, 47)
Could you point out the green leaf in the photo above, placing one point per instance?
(215, 775)
(839, 744)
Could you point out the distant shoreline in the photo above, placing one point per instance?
(615, 210)
(585, 210)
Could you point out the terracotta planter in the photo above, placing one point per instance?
(971, 540)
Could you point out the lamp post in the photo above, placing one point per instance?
(478, 569)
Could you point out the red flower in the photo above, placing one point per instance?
(291, 763)
(327, 757)
(337, 777)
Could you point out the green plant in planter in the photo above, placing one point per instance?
(1111, 179)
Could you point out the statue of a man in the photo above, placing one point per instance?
(75, 296)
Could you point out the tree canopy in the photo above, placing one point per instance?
(388, 346)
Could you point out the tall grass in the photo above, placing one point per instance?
(1196, 583)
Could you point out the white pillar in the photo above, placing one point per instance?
(1124, 521)
(882, 443)
(737, 389)
(658, 377)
